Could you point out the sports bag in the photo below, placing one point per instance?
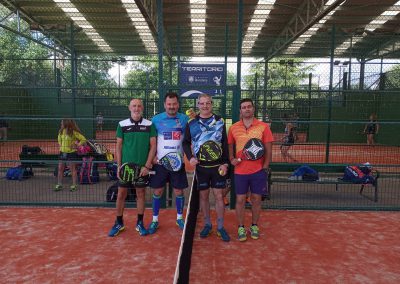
(361, 175)
(88, 172)
(19, 173)
(112, 193)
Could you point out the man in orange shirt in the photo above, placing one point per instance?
(249, 175)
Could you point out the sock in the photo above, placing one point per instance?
(120, 220)
(180, 201)
(155, 218)
(254, 224)
(220, 223)
(207, 220)
(241, 226)
(140, 218)
(156, 205)
(179, 216)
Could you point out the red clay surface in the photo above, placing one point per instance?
(303, 247)
(70, 245)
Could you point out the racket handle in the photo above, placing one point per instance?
(152, 172)
(239, 160)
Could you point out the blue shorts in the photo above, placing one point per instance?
(257, 183)
(69, 156)
(209, 177)
(177, 179)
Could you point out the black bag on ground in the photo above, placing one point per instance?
(112, 193)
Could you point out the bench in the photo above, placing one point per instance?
(42, 160)
(281, 172)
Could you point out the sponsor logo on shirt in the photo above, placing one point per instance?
(172, 135)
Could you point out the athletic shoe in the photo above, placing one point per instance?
(223, 234)
(116, 229)
(141, 229)
(58, 187)
(254, 232)
(180, 223)
(153, 227)
(206, 231)
(73, 188)
(242, 234)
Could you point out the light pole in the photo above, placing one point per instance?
(289, 62)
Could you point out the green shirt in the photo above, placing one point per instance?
(136, 140)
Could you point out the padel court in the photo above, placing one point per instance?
(70, 245)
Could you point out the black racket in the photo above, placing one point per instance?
(172, 161)
(210, 151)
(253, 150)
(130, 172)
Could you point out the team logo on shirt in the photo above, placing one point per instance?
(172, 135)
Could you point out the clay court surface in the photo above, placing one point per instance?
(70, 245)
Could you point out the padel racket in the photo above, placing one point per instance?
(253, 150)
(210, 151)
(129, 172)
(171, 161)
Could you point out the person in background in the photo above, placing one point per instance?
(100, 121)
(288, 140)
(3, 128)
(69, 139)
(371, 129)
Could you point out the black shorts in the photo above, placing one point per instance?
(177, 179)
(69, 156)
(209, 177)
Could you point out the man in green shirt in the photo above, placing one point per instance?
(136, 143)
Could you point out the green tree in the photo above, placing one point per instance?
(22, 62)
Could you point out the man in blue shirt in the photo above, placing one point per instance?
(170, 126)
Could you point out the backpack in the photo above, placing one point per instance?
(361, 175)
(88, 172)
(111, 170)
(19, 173)
(112, 193)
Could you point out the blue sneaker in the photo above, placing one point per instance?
(116, 229)
(141, 229)
(152, 228)
(180, 223)
(223, 234)
(206, 231)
